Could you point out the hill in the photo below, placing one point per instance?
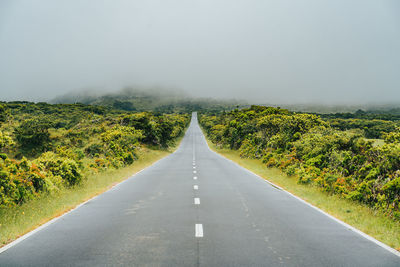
(150, 99)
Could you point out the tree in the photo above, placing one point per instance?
(124, 105)
(33, 134)
(4, 113)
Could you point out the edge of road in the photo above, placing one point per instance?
(348, 226)
(41, 227)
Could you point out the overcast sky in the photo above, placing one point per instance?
(325, 51)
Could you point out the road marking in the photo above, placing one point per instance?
(194, 153)
(194, 163)
(194, 167)
(199, 230)
(41, 227)
(194, 171)
(348, 226)
(38, 229)
(195, 178)
(197, 201)
(196, 187)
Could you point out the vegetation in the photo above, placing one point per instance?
(374, 129)
(340, 162)
(369, 220)
(372, 124)
(19, 219)
(149, 99)
(47, 148)
(360, 111)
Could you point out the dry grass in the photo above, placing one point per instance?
(19, 220)
(368, 220)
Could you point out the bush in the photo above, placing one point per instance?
(8, 189)
(79, 139)
(33, 134)
(340, 162)
(120, 142)
(5, 141)
(94, 150)
(4, 113)
(66, 168)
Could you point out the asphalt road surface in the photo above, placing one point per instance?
(195, 208)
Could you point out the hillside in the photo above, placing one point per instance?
(45, 147)
(157, 100)
(318, 152)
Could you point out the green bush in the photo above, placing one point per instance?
(4, 114)
(65, 168)
(8, 189)
(66, 142)
(33, 134)
(94, 150)
(338, 161)
(5, 141)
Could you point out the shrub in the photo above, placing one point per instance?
(66, 168)
(338, 161)
(33, 134)
(94, 150)
(5, 141)
(8, 189)
(4, 113)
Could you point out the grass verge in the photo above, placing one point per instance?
(368, 220)
(16, 221)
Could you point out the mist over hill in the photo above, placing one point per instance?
(385, 108)
(146, 99)
(175, 100)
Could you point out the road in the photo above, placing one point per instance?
(195, 208)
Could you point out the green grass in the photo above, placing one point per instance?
(369, 221)
(19, 220)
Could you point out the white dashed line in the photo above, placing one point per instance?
(194, 171)
(196, 187)
(195, 178)
(199, 230)
(194, 167)
(197, 201)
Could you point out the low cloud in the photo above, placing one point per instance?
(325, 52)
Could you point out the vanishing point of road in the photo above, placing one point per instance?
(195, 208)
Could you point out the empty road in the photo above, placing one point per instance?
(195, 208)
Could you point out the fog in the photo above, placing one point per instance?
(282, 51)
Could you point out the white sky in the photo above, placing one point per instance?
(282, 51)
